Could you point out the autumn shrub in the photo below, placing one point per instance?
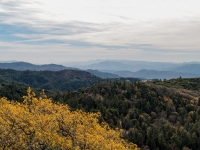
(38, 123)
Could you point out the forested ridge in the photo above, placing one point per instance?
(50, 80)
(154, 115)
(189, 83)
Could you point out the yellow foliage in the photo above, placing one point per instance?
(38, 123)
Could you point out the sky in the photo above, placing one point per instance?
(56, 31)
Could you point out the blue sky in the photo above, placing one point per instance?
(43, 31)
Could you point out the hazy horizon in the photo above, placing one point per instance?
(43, 32)
(95, 61)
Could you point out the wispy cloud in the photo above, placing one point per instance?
(130, 29)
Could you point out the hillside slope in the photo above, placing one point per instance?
(151, 114)
(50, 80)
(154, 115)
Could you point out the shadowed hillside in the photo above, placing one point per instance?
(50, 80)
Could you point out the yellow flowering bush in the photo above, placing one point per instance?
(38, 123)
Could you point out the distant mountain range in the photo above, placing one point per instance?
(22, 66)
(111, 65)
(102, 75)
(133, 66)
(28, 66)
(144, 69)
(153, 74)
(117, 69)
(188, 68)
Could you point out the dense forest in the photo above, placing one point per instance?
(50, 80)
(190, 83)
(14, 91)
(154, 114)
(53, 80)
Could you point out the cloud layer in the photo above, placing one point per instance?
(46, 31)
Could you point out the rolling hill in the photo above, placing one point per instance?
(154, 115)
(103, 75)
(28, 66)
(50, 80)
(22, 66)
